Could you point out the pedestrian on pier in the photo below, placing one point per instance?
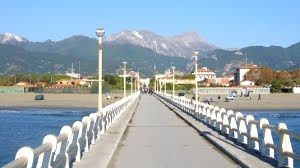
(259, 97)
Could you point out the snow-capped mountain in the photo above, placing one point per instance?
(179, 45)
(9, 38)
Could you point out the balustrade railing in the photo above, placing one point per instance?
(256, 135)
(68, 147)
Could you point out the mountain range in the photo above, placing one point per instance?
(144, 50)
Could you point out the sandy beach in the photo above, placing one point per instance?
(26, 100)
(268, 102)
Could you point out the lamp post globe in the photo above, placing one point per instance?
(100, 32)
(195, 53)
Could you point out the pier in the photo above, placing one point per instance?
(162, 130)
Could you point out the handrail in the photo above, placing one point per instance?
(42, 148)
(231, 123)
(20, 162)
(67, 147)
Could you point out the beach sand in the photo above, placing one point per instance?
(26, 100)
(269, 102)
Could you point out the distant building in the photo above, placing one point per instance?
(247, 83)
(224, 80)
(40, 84)
(71, 82)
(240, 74)
(24, 84)
(205, 74)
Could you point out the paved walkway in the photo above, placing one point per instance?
(156, 137)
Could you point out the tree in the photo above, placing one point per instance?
(266, 75)
(253, 75)
(276, 86)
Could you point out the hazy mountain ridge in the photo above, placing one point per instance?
(179, 45)
(135, 48)
(274, 56)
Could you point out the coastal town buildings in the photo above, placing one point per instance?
(205, 74)
(240, 74)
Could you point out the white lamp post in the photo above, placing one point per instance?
(124, 79)
(195, 54)
(173, 68)
(100, 33)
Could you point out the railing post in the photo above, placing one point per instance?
(285, 147)
(61, 155)
(225, 124)
(252, 133)
(267, 139)
(214, 113)
(242, 129)
(91, 133)
(27, 153)
(75, 148)
(232, 124)
(219, 119)
(83, 140)
(46, 158)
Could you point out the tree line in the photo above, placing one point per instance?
(278, 80)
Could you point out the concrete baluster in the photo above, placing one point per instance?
(267, 139)
(101, 122)
(232, 124)
(91, 133)
(204, 112)
(97, 126)
(242, 128)
(225, 123)
(74, 148)
(28, 153)
(196, 116)
(201, 112)
(252, 133)
(46, 157)
(109, 115)
(285, 147)
(198, 111)
(105, 124)
(61, 156)
(83, 140)
(214, 112)
(208, 114)
(220, 119)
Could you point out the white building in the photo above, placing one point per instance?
(205, 74)
(296, 89)
(240, 73)
(247, 83)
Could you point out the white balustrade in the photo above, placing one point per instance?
(244, 129)
(63, 150)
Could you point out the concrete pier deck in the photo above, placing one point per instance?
(156, 137)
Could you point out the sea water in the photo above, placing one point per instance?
(27, 127)
(290, 118)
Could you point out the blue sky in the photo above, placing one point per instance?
(225, 23)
